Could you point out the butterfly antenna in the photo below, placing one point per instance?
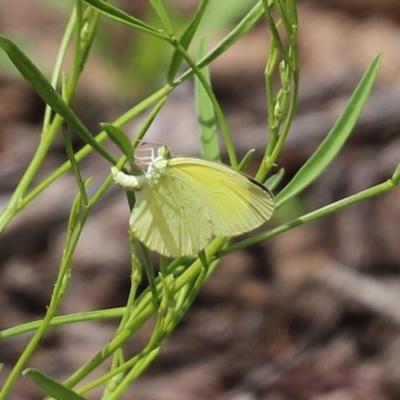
(144, 155)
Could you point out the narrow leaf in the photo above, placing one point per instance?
(120, 139)
(274, 181)
(162, 14)
(50, 386)
(246, 160)
(206, 115)
(46, 91)
(335, 140)
(117, 14)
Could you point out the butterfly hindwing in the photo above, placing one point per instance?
(170, 219)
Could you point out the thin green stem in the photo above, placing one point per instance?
(59, 289)
(17, 201)
(218, 111)
(312, 216)
(58, 65)
(61, 320)
(136, 278)
(145, 308)
(71, 156)
(115, 343)
(281, 107)
(274, 30)
(247, 23)
(269, 86)
(157, 337)
(285, 16)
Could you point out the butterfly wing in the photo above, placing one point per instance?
(236, 203)
(170, 218)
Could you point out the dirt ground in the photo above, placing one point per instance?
(314, 314)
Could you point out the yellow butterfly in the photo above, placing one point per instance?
(183, 202)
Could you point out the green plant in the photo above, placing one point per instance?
(170, 294)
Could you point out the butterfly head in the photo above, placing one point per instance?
(159, 164)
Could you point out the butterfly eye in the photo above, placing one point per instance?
(164, 152)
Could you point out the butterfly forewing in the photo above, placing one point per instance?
(235, 202)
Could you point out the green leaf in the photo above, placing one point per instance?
(206, 116)
(120, 139)
(335, 140)
(117, 14)
(185, 41)
(162, 14)
(246, 160)
(44, 89)
(273, 181)
(50, 386)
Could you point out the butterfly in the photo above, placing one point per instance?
(183, 202)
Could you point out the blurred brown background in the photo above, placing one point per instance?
(311, 315)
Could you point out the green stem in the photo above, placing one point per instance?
(58, 65)
(16, 202)
(63, 320)
(59, 290)
(217, 109)
(312, 216)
